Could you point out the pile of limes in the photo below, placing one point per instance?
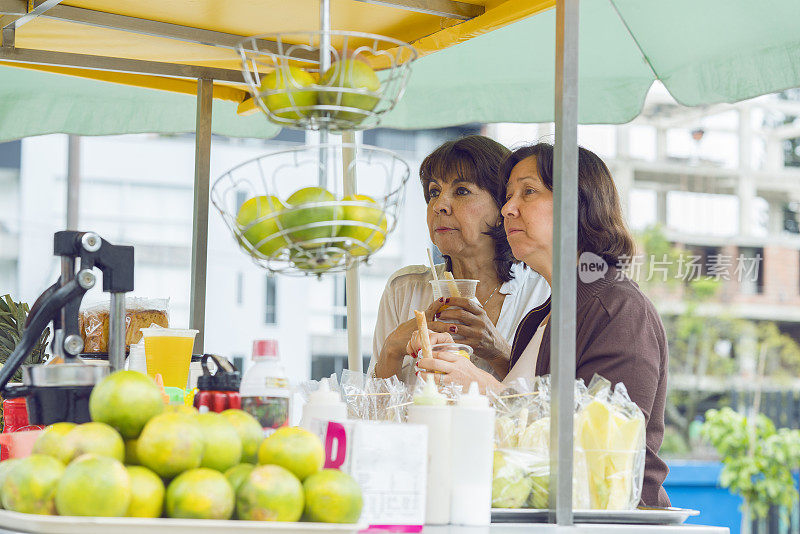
(140, 458)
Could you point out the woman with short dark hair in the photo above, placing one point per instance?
(619, 334)
(463, 191)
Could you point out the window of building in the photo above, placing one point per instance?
(749, 270)
(340, 304)
(271, 301)
(239, 288)
(699, 262)
(324, 365)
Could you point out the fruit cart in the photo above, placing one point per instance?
(483, 61)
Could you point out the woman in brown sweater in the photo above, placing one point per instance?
(619, 334)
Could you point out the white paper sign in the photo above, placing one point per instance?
(388, 460)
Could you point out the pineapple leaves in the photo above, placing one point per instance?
(12, 323)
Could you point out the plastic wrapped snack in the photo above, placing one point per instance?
(611, 431)
(609, 446)
(93, 322)
(375, 399)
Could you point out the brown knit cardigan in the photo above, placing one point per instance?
(619, 336)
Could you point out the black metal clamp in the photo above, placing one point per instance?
(61, 302)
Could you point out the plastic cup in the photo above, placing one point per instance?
(453, 348)
(444, 288)
(168, 352)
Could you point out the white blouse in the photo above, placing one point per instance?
(409, 289)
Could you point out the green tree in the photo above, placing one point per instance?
(703, 346)
(758, 461)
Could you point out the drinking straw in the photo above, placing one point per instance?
(433, 267)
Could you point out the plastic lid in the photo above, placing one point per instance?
(430, 395)
(265, 348)
(219, 382)
(160, 331)
(473, 398)
(324, 395)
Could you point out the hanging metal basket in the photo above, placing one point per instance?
(288, 212)
(336, 80)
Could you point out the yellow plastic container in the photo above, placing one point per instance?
(168, 351)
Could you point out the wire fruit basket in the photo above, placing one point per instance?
(335, 80)
(288, 211)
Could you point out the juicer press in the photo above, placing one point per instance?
(59, 389)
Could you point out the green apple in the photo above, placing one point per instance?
(258, 221)
(290, 83)
(296, 215)
(308, 261)
(373, 238)
(350, 74)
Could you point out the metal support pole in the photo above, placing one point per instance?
(116, 332)
(202, 170)
(565, 246)
(73, 180)
(67, 275)
(324, 64)
(352, 286)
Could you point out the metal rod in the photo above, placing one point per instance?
(355, 361)
(116, 64)
(202, 180)
(67, 275)
(441, 8)
(73, 180)
(565, 248)
(324, 64)
(116, 332)
(32, 14)
(9, 38)
(152, 28)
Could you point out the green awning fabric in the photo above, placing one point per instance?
(36, 103)
(704, 52)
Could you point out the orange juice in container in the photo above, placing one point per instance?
(459, 349)
(168, 352)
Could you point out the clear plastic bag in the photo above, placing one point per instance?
(610, 430)
(93, 322)
(451, 391)
(375, 399)
(305, 389)
(608, 439)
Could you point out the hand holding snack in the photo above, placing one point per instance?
(470, 324)
(450, 367)
(414, 346)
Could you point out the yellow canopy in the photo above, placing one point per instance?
(75, 34)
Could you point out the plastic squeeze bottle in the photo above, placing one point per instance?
(323, 404)
(472, 453)
(265, 391)
(430, 409)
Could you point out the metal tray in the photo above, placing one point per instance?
(54, 524)
(641, 516)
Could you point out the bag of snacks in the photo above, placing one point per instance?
(93, 322)
(608, 440)
(610, 430)
(375, 399)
